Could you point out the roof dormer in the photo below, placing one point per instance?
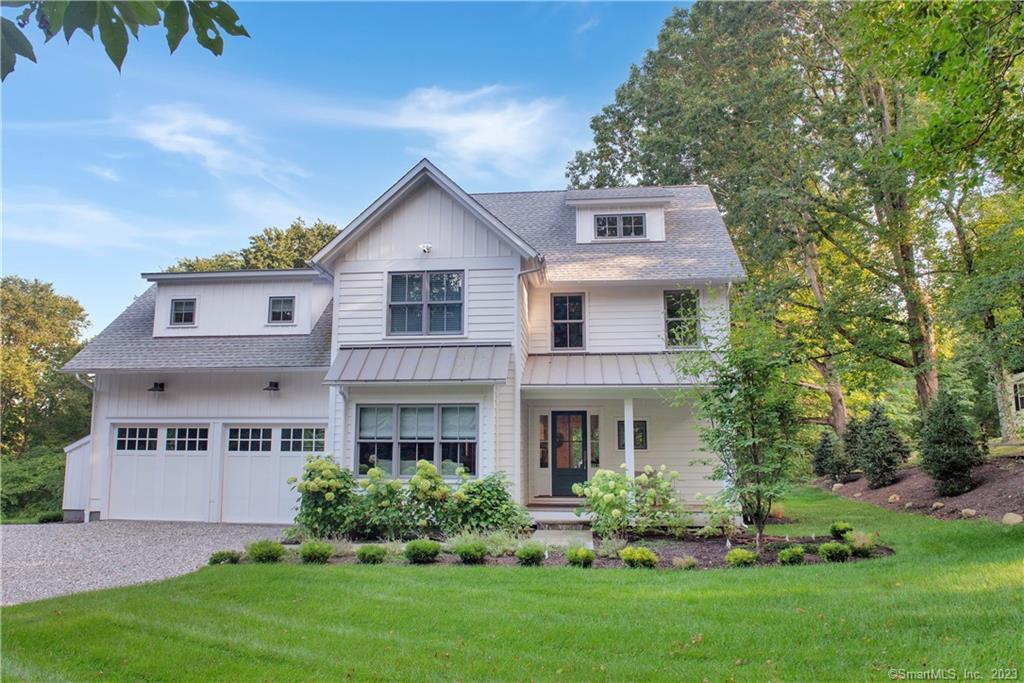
(624, 214)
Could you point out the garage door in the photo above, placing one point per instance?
(160, 473)
(258, 460)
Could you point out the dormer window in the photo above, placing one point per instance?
(183, 311)
(618, 225)
(282, 310)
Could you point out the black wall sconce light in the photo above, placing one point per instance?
(272, 386)
(157, 387)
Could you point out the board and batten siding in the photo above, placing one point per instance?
(240, 308)
(428, 214)
(626, 319)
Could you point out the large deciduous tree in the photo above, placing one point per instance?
(40, 332)
(272, 248)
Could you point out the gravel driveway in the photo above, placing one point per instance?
(43, 560)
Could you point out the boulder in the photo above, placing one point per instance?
(967, 513)
(908, 505)
(1012, 518)
(938, 505)
(858, 494)
(836, 486)
(894, 498)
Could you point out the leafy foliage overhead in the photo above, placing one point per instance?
(273, 248)
(114, 20)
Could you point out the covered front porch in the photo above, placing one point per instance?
(575, 424)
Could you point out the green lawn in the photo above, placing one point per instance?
(952, 597)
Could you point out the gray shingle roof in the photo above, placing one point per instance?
(697, 247)
(128, 344)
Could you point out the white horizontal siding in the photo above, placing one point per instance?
(359, 307)
(491, 303)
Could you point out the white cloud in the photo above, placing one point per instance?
(104, 172)
(219, 145)
(44, 217)
(474, 131)
(589, 24)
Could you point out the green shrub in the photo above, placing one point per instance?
(531, 554)
(824, 452)
(639, 557)
(606, 498)
(839, 529)
(50, 517)
(719, 517)
(740, 557)
(265, 551)
(647, 502)
(33, 482)
(949, 452)
(226, 557)
(422, 551)
(371, 554)
(483, 505)
(326, 494)
(793, 554)
(861, 544)
(578, 556)
(294, 535)
(656, 503)
(471, 550)
(880, 449)
(834, 551)
(384, 510)
(686, 562)
(316, 552)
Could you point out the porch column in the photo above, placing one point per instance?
(628, 434)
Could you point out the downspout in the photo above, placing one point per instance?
(92, 417)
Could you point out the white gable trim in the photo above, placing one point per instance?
(423, 170)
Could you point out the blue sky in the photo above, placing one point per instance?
(107, 175)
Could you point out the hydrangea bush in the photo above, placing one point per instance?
(619, 504)
(325, 493)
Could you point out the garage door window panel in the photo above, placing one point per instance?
(136, 439)
(249, 439)
(302, 439)
(189, 439)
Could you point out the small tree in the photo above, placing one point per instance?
(949, 452)
(880, 449)
(749, 416)
(824, 453)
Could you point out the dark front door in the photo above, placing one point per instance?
(569, 466)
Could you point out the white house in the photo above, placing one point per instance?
(532, 333)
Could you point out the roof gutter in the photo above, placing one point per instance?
(85, 383)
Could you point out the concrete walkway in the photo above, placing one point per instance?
(44, 560)
(564, 538)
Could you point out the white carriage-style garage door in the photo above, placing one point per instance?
(160, 473)
(258, 460)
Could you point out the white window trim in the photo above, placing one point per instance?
(425, 303)
(665, 318)
(1018, 397)
(195, 311)
(620, 237)
(647, 429)
(282, 323)
(396, 438)
(551, 322)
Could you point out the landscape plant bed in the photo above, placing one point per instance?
(709, 552)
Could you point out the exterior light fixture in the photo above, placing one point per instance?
(272, 386)
(426, 247)
(157, 386)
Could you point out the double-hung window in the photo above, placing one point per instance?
(281, 310)
(1018, 397)
(567, 321)
(682, 317)
(613, 226)
(639, 435)
(445, 435)
(429, 302)
(183, 311)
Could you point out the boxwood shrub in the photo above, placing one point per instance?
(422, 551)
(579, 556)
(371, 554)
(470, 550)
(316, 552)
(637, 557)
(834, 552)
(226, 557)
(793, 554)
(740, 557)
(839, 529)
(531, 554)
(265, 551)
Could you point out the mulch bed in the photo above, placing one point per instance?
(1000, 490)
(709, 552)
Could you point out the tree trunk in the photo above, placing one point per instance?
(920, 326)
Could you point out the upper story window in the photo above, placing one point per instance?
(608, 226)
(682, 314)
(567, 321)
(183, 311)
(428, 302)
(282, 310)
